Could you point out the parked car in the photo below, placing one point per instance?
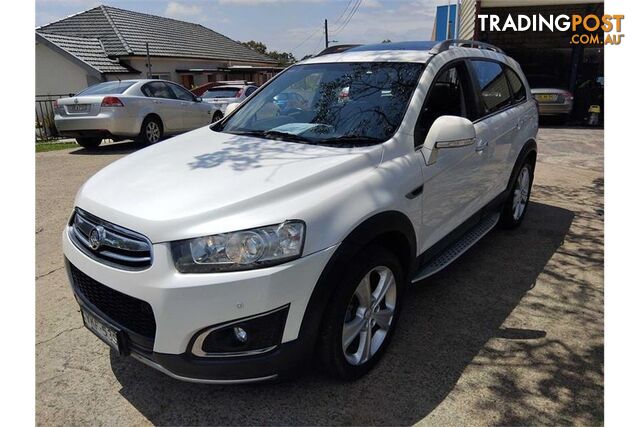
(145, 110)
(222, 95)
(553, 99)
(248, 247)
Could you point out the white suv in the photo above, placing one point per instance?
(239, 251)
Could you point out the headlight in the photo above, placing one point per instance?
(240, 250)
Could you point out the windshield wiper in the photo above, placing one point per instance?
(272, 134)
(286, 136)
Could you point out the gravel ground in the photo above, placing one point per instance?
(511, 333)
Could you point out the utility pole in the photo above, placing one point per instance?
(326, 35)
(148, 62)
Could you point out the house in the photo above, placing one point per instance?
(107, 43)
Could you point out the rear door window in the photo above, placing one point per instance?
(158, 90)
(492, 84)
(517, 87)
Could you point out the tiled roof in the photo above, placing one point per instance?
(124, 32)
(89, 51)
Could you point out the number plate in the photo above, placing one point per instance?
(78, 108)
(547, 98)
(107, 333)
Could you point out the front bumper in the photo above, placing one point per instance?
(185, 304)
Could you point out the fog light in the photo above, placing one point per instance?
(260, 333)
(241, 334)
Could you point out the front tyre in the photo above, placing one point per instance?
(516, 205)
(362, 314)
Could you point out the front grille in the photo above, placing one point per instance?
(109, 243)
(129, 312)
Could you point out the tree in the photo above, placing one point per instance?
(284, 58)
(257, 46)
(386, 41)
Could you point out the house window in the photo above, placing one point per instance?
(161, 76)
(187, 81)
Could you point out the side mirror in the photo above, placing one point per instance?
(448, 132)
(198, 99)
(230, 108)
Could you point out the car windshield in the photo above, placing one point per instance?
(222, 92)
(107, 88)
(335, 104)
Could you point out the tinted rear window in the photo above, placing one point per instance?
(107, 88)
(222, 92)
(494, 89)
(517, 87)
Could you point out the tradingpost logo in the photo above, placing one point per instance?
(587, 30)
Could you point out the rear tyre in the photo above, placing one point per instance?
(89, 143)
(361, 315)
(150, 131)
(515, 207)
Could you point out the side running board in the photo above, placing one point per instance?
(452, 253)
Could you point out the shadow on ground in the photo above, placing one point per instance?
(447, 321)
(125, 147)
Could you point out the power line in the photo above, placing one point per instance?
(307, 39)
(337, 21)
(340, 26)
(345, 21)
(353, 12)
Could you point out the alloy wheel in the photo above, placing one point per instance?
(521, 193)
(369, 315)
(152, 132)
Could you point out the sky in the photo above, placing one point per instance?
(294, 26)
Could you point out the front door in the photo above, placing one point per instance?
(453, 185)
(194, 114)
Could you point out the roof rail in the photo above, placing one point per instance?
(446, 44)
(339, 48)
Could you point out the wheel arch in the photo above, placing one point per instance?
(155, 116)
(529, 152)
(390, 229)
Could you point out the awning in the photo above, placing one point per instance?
(238, 68)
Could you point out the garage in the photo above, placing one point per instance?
(548, 58)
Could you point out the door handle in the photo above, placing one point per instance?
(157, 102)
(481, 144)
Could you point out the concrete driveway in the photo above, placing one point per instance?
(511, 333)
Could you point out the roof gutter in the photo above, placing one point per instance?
(90, 68)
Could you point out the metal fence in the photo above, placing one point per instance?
(45, 126)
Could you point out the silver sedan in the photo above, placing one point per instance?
(145, 110)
